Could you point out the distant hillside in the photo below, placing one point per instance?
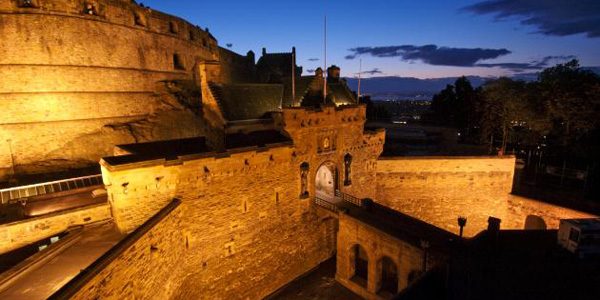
(406, 86)
(410, 87)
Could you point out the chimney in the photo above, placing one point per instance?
(264, 51)
(333, 74)
(493, 225)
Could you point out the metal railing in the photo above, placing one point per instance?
(326, 204)
(21, 192)
(348, 198)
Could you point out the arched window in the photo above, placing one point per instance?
(360, 263)
(304, 167)
(388, 276)
(347, 169)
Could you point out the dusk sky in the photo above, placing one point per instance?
(424, 39)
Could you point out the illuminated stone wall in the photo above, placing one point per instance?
(377, 244)
(18, 234)
(246, 227)
(72, 80)
(148, 269)
(439, 189)
(326, 136)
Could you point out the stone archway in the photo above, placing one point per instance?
(388, 276)
(326, 181)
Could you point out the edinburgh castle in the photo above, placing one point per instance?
(227, 176)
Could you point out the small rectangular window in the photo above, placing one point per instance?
(90, 8)
(27, 3)
(173, 27)
(139, 19)
(177, 62)
(574, 235)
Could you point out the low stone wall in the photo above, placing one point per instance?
(440, 189)
(407, 258)
(22, 233)
(144, 265)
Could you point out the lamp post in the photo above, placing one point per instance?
(425, 246)
(462, 222)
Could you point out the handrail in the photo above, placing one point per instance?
(348, 198)
(15, 193)
(326, 204)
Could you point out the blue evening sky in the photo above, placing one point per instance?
(279, 25)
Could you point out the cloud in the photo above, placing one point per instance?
(550, 17)
(431, 54)
(371, 72)
(534, 65)
(457, 57)
(310, 70)
(313, 59)
(229, 45)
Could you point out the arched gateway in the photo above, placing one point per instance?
(326, 181)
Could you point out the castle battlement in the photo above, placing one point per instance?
(330, 115)
(117, 12)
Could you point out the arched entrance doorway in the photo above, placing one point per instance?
(326, 181)
(388, 272)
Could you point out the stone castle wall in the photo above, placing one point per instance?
(18, 234)
(68, 77)
(242, 213)
(343, 128)
(241, 218)
(408, 259)
(147, 269)
(438, 190)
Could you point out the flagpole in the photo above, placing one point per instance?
(359, 75)
(325, 61)
(294, 77)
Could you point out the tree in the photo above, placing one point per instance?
(571, 96)
(442, 106)
(503, 106)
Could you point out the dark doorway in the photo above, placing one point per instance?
(361, 265)
(389, 276)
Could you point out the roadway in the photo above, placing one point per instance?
(41, 281)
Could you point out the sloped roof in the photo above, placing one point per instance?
(256, 138)
(340, 93)
(174, 149)
(302, 84)
(249, 101)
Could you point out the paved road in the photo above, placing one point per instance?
(44, 281)
(319, 284)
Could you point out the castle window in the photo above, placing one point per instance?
(173, 27)
(139, 19)
(192, 35)
(347, 169)
(90, 9)
(204, 43)
(304, 180)
(27, 3)
(177, 62)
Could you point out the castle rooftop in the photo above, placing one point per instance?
(175, 149)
